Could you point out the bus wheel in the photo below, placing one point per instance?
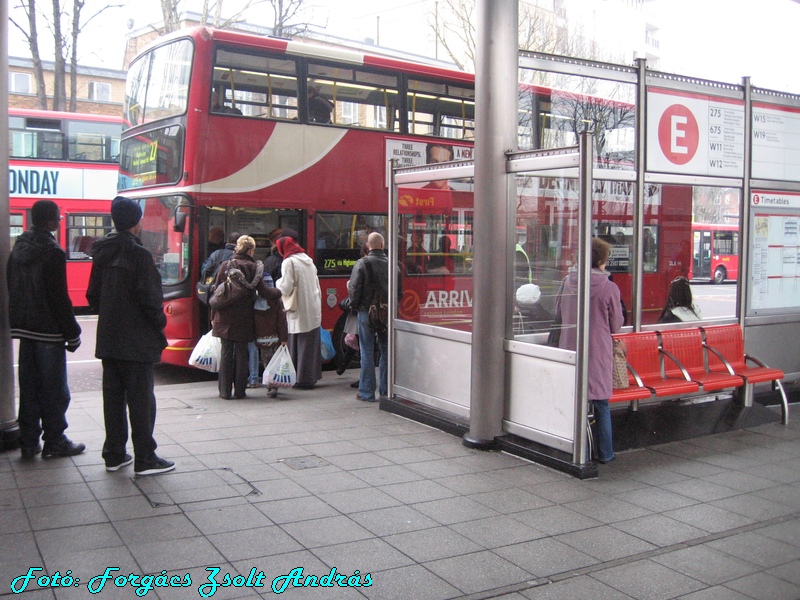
(719, 275)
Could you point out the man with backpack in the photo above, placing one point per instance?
(369, 288)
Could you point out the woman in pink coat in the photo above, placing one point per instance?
(605, 318)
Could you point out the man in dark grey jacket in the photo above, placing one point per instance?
(370, 274)
(125, 290)
(41, 317)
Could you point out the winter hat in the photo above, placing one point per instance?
(528, 294)
(44, 211)
(125, 213)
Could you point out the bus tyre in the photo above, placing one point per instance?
(719, 275)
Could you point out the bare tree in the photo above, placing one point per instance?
(169, 12)
(63, 46)
(286, 17)
(31, 34)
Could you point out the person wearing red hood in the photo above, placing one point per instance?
(302, 300)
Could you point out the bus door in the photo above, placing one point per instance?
(702, 254)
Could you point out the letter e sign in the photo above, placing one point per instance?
(678, 134)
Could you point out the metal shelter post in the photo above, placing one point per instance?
(9, 430)
(580, 454)
(495, 134)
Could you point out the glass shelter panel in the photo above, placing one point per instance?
(552, 117)
(435, 242)
(545, 250)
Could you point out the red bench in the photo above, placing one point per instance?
(685, 362)
(645, 373)
(726, 355)
(684, 355)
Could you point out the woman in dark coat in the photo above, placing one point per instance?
(235, 324)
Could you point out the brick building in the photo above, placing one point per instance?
(100, 91)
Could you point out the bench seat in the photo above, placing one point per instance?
(684, 355)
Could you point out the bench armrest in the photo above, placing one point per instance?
(674, 359)
(759, 362)
(636, 377)
(721, 358)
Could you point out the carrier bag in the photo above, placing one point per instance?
(328, 351)
(206, 353)
(280, 372)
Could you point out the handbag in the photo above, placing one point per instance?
(207, 353)
(280, 372)
(620, 378)
(235, 287)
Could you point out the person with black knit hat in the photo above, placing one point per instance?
(41, 318)
(125, 291)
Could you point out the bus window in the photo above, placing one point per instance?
(93, 142)
(339, 238)
(82, 231)
(254, 85)
(158, 84)
(151, 158)
(352, 97)
(17, 227)
(441, 109)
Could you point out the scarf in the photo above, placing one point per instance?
(287, 246)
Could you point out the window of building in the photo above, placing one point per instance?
(99, 92)
(20, 83)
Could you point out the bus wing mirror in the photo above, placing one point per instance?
(179, 224)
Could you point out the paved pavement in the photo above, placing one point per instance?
(320, 481)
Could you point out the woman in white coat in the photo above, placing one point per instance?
(302, 300)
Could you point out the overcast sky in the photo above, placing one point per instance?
(721, 40)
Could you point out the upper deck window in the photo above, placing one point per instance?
(254, 85)
(352, 97)
(158, 83)
(441, 109)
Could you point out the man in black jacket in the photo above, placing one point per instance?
(125, 290)
(370, 274)
(41, 317)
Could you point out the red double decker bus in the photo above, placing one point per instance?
(250, 134)
(715, 252)
(72, 159)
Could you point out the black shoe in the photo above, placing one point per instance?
(30, 452)
(354, 384)
(153, 467)
(341, 369)
(64, 448)
(116, 464)
(272, 393)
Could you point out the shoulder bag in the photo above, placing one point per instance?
(620, 379)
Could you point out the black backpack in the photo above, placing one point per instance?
(205, 286)
(378, 306)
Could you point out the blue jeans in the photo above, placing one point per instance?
(43, 392)
(366, 342)
(252, 362)
(605, 443)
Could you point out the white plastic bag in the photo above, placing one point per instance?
(206, 353)
(280, 370)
